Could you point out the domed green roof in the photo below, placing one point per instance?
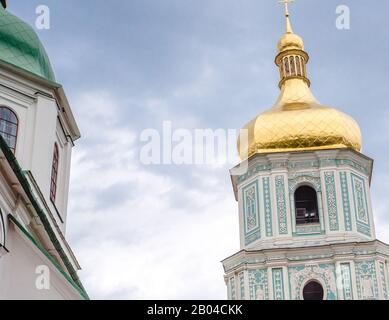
(20, 46)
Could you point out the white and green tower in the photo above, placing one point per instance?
(305, 214)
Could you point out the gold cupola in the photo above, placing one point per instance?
(297, 121)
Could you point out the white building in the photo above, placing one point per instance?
(38, 132)
(306, 219)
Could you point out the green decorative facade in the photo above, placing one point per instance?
(307, 226)
(337, 251)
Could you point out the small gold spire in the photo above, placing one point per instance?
(297, 121)
(291, 58)
(288, 24)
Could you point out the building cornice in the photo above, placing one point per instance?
(289, 162)
(255, 258)
(58, 94)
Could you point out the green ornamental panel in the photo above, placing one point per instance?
(268, 207)
(383, 280)
(278, 284)
(241, 286)
(332, 205)
(258, 284)
(360, 205)
(346, 201)
(346, 281)
(232, 288)
(252, 225)
(367, 285)
(281, 205)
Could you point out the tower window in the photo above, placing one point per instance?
(292, 66)
(303, 63)
(306, 205)
(287, 69)
(282, 70)
(9, 127)
(313, 291)
(54, 174)
(298, 65)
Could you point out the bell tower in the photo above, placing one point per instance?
(306, 220)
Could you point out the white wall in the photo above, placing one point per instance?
(39, 129)
(18, 273)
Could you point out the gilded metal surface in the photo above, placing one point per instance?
(297, 121)
(290, 41)
(20, 46)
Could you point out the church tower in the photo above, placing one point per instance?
(306, 221)
(37, 134)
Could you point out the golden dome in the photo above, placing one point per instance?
(290, 41)
(297, 121)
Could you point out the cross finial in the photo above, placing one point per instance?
(286, 3)
(288, 25)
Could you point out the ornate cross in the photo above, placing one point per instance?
(4, 3)
(286, 3)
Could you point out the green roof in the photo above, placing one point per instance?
(21, 47)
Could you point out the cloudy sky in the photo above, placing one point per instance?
(160, 232)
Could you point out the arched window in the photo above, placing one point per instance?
(313, 291)
(9, 127)
(306, 205)
(54, 174)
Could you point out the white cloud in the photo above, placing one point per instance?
(160, 238)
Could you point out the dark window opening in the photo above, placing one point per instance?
(313, 291)
(54, 174)
(9, 127)
(306, 205)
(287, 70)
(292, 67)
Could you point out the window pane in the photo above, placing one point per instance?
(8, 127)
(54, 174)
(306, 205)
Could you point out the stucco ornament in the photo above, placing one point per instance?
(324, 274)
